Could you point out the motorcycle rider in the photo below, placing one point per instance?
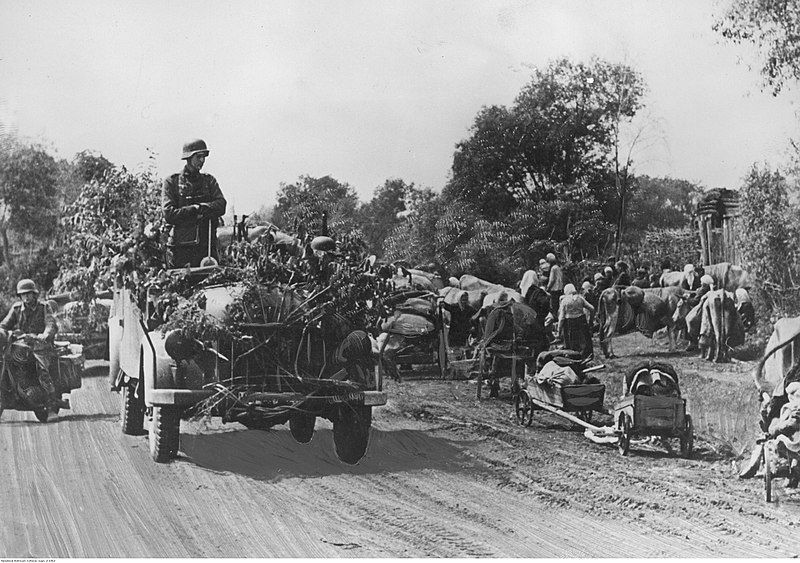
(29, 316)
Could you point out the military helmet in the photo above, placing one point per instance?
(194, 147)
(26, 286)
(323, 243)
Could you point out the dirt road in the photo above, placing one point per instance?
(445, 476)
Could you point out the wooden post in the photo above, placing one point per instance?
(701, 226)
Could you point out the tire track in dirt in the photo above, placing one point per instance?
(578, 483)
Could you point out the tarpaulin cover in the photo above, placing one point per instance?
(407, 324)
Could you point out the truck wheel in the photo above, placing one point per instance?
(301, 425)
(165, 433)
(42, 414)
(351, 432)
(132, 419)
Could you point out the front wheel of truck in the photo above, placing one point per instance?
(351, 432)
(132, 418)
(165, 433)
(301, 425)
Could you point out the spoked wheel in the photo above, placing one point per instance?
(766, 457)
(301, 425)
(42, 414)
(624, 444)
(687, 438)
(523, 407)
(165, 433)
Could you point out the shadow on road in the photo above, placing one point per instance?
(274, 455)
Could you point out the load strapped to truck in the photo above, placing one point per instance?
(274, 335)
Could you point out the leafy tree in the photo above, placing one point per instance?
(773, 26)
(303, 204)
(383, 212)
(115, 224)
(559, 135)
(663, 203)
(28, 192)
(415, 239)
(770, 238)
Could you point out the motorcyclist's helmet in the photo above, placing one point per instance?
(26, 286)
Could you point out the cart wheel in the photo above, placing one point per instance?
(624, 444)
(301, 425)
(687, 438)
(529, 418)
(522, 406)
(165, 433)
(767, 467)
(42, 414)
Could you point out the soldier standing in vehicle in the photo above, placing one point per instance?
(193, 204)
(29, 316)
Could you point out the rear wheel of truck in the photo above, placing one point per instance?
(132, 419)
(351, 432)
(165, 433)
(301, 425)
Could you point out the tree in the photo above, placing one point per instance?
(770, 238)
(28, 192)
(773, 26)
(664, 203)
(115, 224)
(305, 202)
(383, 212)
(559, 135)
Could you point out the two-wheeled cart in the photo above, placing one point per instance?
(574, 402)
(653, 406)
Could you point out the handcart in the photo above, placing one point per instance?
(653, 406)
(575, 401)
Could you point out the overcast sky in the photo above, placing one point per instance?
(363, 90)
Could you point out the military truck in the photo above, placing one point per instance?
(286, 359)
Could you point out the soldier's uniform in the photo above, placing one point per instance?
(192, 204)
(38, 319)
(189, 235)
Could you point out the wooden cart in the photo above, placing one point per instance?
(640, 415)
(573, 402)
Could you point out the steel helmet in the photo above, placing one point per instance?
(26, 286)
(323, 243)
(193, 147)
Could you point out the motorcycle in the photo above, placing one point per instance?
(20, 388)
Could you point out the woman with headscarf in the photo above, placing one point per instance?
(572, 323)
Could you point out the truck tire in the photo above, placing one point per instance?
(132, 417)
(165, 433)
(301, 425)
(351, 432)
